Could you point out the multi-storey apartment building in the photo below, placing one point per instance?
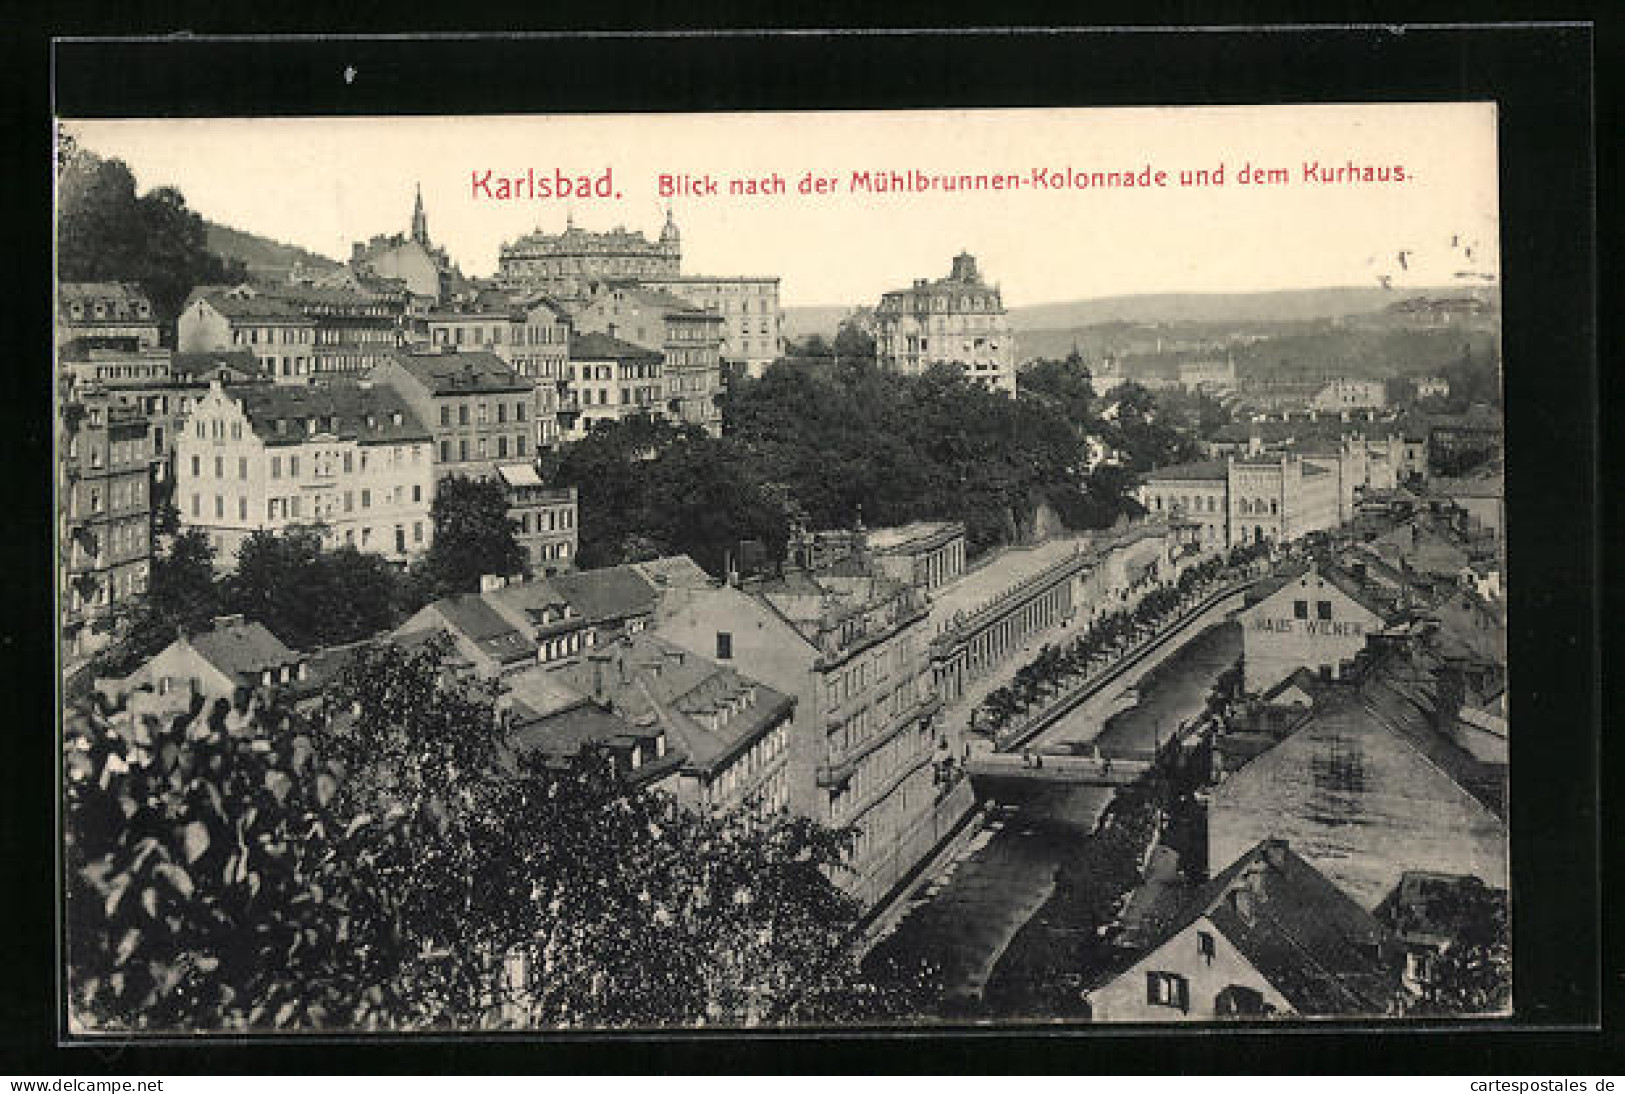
(352, 458)
(281, 337)
(958, 319)
(531, 332)
(546, 518)
(566, 265)
(851, 644)
(482, 415)
(688, 337)
(105, 313)
(752, 322)
(105, 509)
(610, 379)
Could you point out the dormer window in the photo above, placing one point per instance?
(77, 310)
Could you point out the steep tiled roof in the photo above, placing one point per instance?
(1324, 953)
(465, 372)
(616, 592)
(123, 299)
(595, 346)
(237, 647)
(364, 414)
(477, 621)
(243, 302)
(708, 710)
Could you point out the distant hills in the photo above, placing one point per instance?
(263, 257)
(1291, 305)
(1281, 306)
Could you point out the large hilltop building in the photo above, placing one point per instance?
(566, 265)
(958, 319)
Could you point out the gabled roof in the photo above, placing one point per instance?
(466, 372)
(478, 622)
(374, 414)
(248, 303)
(596, 346)
(125, 298)
(708, 710)
(238, 647)
(208, 364)
(673, 571)
(607, 595)
(1318, 948)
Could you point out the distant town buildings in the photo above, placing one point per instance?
(1428, 387)
(1247, 499)
(610, 379)
(1347, 394)
(485, 419)
(958, 319)
(1212, 377)
(242, 317)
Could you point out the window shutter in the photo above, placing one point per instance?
(1182, 988)
(1151, 989)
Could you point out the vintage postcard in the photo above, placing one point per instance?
(752, 570)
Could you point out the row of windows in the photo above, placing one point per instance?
(482, 413)
(556, 520)
(482, 449)
(289, 508)
(103, 309)
(291, 336)
(885, 819)
(117, 586)
(1191, 503)
(747, 766)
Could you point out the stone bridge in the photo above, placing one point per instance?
(1082, 770)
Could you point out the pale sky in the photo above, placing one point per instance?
(321, 183)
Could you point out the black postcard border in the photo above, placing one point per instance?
(1541, 77)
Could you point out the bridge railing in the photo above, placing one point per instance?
(1081, 687)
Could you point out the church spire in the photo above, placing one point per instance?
(420, 223)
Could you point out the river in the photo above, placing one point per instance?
(964, 916)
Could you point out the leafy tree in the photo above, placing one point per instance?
(182, 595)
(106, 232)
(239, 870)
(852, 341)
(1066, 382)
(473, 535)
(308, 595)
